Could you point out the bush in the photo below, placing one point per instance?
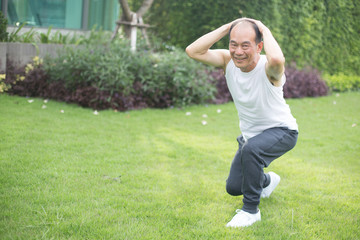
(26, 81)
(104, 67)
(304, 83)
(172, 78)
(156, 80)
(3, 28)
(222, 94)
(161, 79)
(299, 83)
(111, 76)
(306, 30)
(3, 86)
(342, 82)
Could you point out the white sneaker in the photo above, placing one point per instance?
(244, 219)
(274, 181)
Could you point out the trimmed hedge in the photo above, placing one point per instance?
(342, 82)
(317, 33)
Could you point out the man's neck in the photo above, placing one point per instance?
(253, 65)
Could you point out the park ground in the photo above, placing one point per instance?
(68, 172)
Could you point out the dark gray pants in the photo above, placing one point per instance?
(246, 175)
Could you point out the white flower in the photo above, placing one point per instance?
(62, 111)
(338, 95)
(43, 106)
(96, 112)
(203, 122)
(188, 113)
(334, 102)
(218, 111)
(204, 116)
(46, 100)
(30, 100)
(354, 125)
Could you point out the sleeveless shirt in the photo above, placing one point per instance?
(260, 104)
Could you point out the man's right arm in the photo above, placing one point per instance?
(200, 49)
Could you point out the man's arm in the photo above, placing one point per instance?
(275, 66)
(200, 49)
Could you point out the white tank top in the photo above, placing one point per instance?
(260, 105)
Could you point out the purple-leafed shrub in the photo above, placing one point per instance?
(299, 83)
(304, 83)
(222, 94)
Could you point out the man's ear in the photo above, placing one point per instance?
(259, 47)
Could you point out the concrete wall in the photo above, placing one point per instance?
(3, 51)
(70, 32)
(22, 53)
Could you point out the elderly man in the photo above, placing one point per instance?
(268, 128)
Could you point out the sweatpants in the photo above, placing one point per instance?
(246, 175)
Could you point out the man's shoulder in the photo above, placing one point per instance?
(229, 65)
(263, 59)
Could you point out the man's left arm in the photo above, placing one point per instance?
(275, 66)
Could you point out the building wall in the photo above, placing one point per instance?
(62, 14)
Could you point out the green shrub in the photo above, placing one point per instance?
(3, 28)
(173, 75)
(162, 79)
(106, 67)
(342, 82)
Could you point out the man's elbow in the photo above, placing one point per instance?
(189, 51)
(275, 69)
(277, 62)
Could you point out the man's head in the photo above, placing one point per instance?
(245, 44)
(255, 27)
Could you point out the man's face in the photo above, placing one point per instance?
(243, 49)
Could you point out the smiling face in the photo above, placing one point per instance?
(242, 46)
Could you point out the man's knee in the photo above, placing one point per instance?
(233, 189)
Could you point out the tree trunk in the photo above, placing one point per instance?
(127, 16)
(134, 18)
(126, 10)
(144, 7)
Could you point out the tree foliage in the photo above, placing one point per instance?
(3, 26)
(324, 34)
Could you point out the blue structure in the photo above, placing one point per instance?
(62, 14)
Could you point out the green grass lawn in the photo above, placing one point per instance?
(160, 174)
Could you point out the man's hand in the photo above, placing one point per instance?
(275, 66)
(260, 25)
